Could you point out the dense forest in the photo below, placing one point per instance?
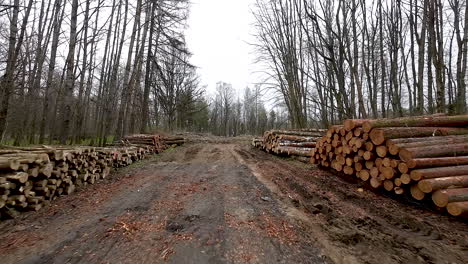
(98, 69)
(331, 60)
(95, 70)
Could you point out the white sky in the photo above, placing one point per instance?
(218, 36)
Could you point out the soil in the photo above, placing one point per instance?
(218, 200)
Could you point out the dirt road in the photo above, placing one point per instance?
(224, 202)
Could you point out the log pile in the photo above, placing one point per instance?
(32, 177)
(144, 140)
(158, 143)
(298, 143)
(426, 156)
(173, 141)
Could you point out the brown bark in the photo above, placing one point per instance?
(379, 135)
(442, 197)
(297, 133)
(431, 173)
(437, 162)
(458, 209)
(350, 124)
(303, 152)
(297, 138)
(9, 164)
(431, 185)
(431, 141)
(433, 151)
(421, 121)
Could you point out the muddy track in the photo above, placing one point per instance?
(224, 202)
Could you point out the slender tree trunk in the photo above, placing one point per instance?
(14, 46)
(66, 112)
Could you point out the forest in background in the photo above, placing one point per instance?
(75, 71)
(330, 60)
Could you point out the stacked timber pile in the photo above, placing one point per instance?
(154, 141)
(157, 142)
(426, 156)
(257, 142)
(289, 142)
(31, 177)
(171, 141)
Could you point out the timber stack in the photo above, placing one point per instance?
(32, 177)
(426, 156)
(158, 143)
(145, 140)
(173, 141)
(298, 143)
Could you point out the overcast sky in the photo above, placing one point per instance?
(218, 36)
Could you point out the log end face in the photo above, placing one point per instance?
(440, 198)
(377, 136)
(381, 151)
(425, 186)
(458, 208)
(366, 126)
(405, 155)
(348, 125)
(417, 193)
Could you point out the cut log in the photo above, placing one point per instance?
(405, 178)
(296, 133)
(431, 141)
(379, 135)
(381, 151)
(399, 190)
(431, 173)
(433, 151)
(442, 197)
(364, 175)
(431, 185)
(20, 177)
(416, 192)
(403, 167)
(298, 144)
(388, 173)
(350, 124)
(458, 209)
(388, 185)
(437, 162)
(423, 121)
(9, 163)
(375, 183)
(374, 172)
(302, 152)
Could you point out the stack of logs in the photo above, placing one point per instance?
(173, 141)
(157, 142)
(297, 143)
(421, 155)
(32, 177)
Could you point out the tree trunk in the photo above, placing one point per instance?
(66, 112)
(14, 46)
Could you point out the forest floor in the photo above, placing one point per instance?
(218, 200)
